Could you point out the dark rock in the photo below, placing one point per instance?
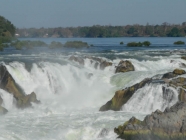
(77, 59)
(103, 133)
(1, 100)
(105, 64)
(89, 75)
(173, 74)
(8, 84)
(124, 66)
(183, 57)
(180, 63)
(167, 125)
(3, 110)
(122, 96)
(182, 95)
(178, 71)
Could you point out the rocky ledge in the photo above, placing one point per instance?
(123, 66)
(167, 125)
(170, 79)
(8, 84)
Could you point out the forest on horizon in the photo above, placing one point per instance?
(98, 31)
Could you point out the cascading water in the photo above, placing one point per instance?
(71, 94)
(150, 98)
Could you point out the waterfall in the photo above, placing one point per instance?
(150, 98)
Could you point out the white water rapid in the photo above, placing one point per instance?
(71, 98)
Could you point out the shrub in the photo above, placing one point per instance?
(146, 43)
(76, 44)
(138, 44)
(179, 43)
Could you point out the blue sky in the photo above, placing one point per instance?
(67, 13)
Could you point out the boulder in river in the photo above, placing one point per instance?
(124, 66)
(8, 84)
(77, 59)
(167, 125)
(173, 74)
(122, 96)
(1, 100)
(3, 110)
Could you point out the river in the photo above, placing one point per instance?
(70, 101)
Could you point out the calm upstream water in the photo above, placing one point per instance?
(70, 101)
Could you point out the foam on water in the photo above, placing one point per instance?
(70, 99)
(150, 98)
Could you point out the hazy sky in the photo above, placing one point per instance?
(66, 13)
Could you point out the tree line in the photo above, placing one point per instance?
(96, 31)
(7, 30)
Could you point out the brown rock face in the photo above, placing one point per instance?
(105, 64)
(167, 125)
(124, 66)
(173, 74)
(1, 100)
(8, 84)
(178, 71)
(99, 62)
(77, 59)
(122, 96)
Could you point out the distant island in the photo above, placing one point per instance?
(97, 31)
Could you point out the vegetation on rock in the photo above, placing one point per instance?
(179, 43)
(121, 43)
(138, 44)
(76, 44)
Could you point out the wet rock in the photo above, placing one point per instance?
(180, 63)
(173, 74)
(3, 110)
(103, 133)
(122, 96)
(167, 125)
(105, 64)
(178, 72)
(1, 100)
(182, 95)
(183, 57)
(77, 59)
(26, 101)
(124, 66)
(89, 75)
(8, 84)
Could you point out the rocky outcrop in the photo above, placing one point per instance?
(124, 66)
(167, 125)
(77, 59)
(98, 61)
(1, 100)
(173, 74)
(178, 72)
(8, 84)
(2, 109)
(105, 64)
(122, 96)
(183, 57)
